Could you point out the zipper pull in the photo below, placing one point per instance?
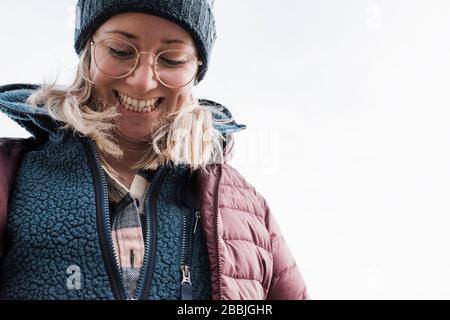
(197, 217)
(186, 272)
(186, 284)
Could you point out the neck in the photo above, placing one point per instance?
(133, 151)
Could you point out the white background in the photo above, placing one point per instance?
(346, 104)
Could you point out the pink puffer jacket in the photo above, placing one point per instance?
(248, 256)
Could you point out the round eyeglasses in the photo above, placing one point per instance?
(118, 59)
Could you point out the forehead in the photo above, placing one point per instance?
(147, 28)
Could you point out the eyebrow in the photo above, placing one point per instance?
(126, 34)
(132, 36)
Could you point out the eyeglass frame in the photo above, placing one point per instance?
(198, 62)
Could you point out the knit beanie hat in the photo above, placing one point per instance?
(195, 16)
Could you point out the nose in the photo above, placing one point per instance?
(143, 78)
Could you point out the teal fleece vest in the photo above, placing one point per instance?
(52, 231)
(55, 249)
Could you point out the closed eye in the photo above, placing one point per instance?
(121, 54)
(171, 63)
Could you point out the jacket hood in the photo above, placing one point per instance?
(38, 122)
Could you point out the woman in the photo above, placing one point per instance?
(126, 167)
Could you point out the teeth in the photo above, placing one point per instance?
(137, 105)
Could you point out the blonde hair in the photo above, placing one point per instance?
(187, 136)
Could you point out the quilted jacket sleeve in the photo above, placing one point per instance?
(11, 151)
(287, 282)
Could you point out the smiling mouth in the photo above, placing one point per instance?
(141, 106)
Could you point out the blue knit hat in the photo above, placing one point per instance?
(195, 16)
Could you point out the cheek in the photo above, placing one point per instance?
(92, 71)
(96, 76)
(102, 83)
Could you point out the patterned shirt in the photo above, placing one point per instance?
(176, 211)
(126, 210)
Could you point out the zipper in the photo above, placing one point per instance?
(189, 231)
(197, 217)
(216, 227)
(146, 276)
(110, 259)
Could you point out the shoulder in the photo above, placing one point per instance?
(233, 189)
(230, 181)
(239, 190)
(234, 179)
(236, 189)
